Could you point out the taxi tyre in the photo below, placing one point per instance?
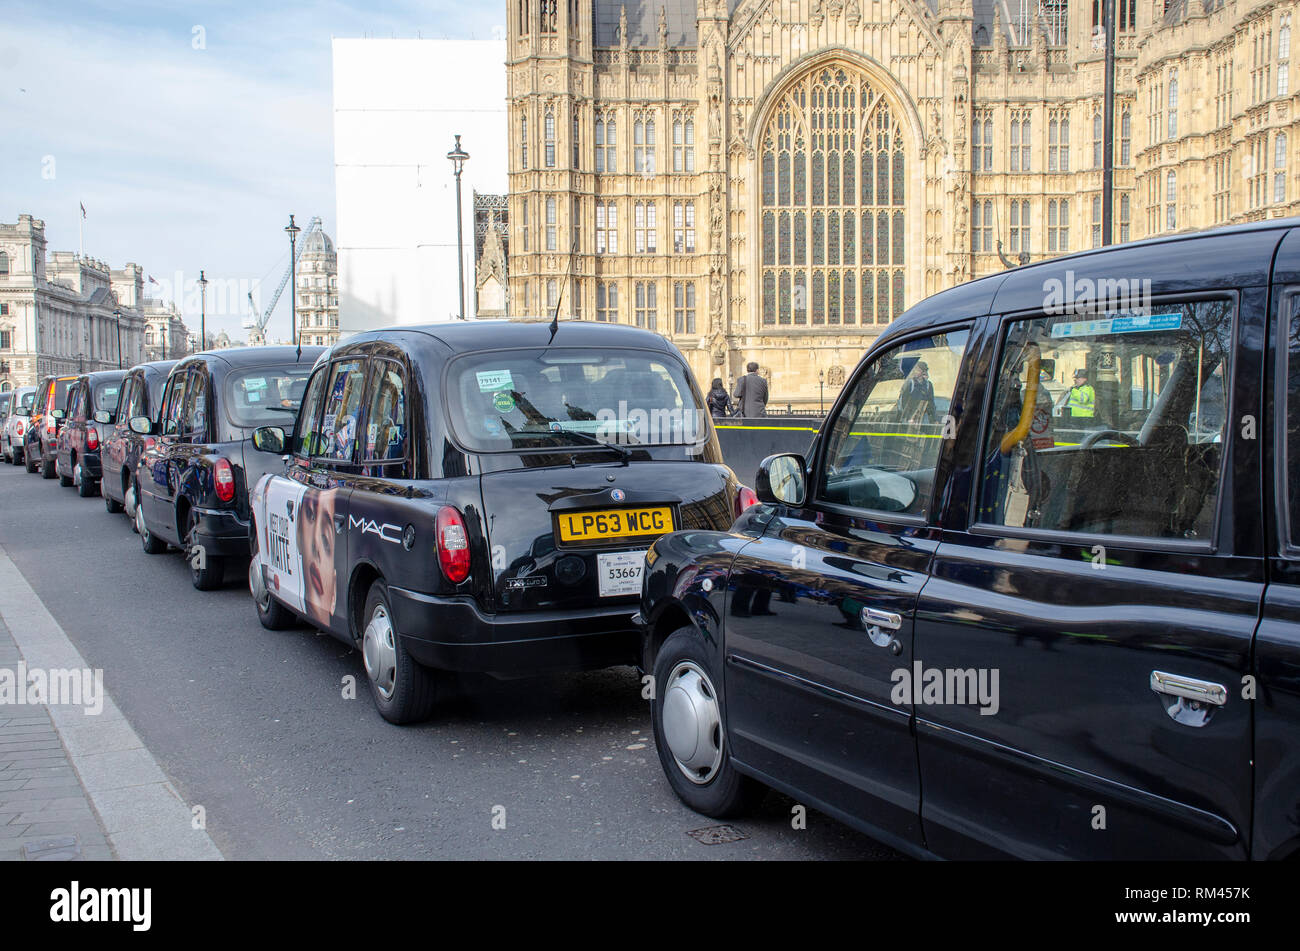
(28, 462)
(47, 469)
(272, 615)
(150, 544)
(213, 573)
(65, 481)
(87, 487)
(111, 506)
(684, 684)
(413, 686)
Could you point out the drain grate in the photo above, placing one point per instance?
(63, 848)
(718, 835)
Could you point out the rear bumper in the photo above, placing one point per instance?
(222, 532)
(454, 634)
(90, 466)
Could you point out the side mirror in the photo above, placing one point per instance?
(103, 417)
(781, 479)
(141, 425)
(23, 411)
(269, 439)
(59, 415)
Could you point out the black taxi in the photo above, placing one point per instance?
(480, 497)
(1035, 589)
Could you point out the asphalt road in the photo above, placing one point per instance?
(253, 725)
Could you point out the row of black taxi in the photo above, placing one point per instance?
(964, 621)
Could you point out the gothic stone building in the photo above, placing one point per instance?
(777, 179)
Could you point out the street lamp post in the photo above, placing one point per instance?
(821, 398)
(292, 230)
(458, 157)
(117, 313)
(203, 312)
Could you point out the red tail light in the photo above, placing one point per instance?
(223, 477)
(92, 438)
(745, 498)
(453, 544)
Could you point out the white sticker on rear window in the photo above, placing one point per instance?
(489, 380)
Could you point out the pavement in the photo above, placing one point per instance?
(76, 782)
(273, 736)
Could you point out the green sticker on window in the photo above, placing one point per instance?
(503, 401)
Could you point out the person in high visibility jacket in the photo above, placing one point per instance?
(1082, 400)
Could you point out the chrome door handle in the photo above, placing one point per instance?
(871, 617)
(879, 625)
(1203, 691)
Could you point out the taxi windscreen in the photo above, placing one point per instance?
(554, 397)
(266, 396)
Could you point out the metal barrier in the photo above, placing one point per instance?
(747, 442)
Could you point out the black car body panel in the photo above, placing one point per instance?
(197, 431)
(1107, 597)
(532, 601)
(90, 394)
(141, 395)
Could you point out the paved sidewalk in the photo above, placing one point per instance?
(65, 773)
(44, 812)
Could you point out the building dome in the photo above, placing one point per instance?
(318, 242)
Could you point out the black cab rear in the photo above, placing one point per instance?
(141, 396)
(480, 498)
(92, 403)
(193, 479)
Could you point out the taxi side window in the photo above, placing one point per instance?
(1292, 345)
(307, 436)
(883, 447)
(1111, 423)
(174, 404)
(386, 420)
(197, 413)
(343, 395)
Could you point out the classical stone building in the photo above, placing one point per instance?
(778, 179)
(165, 335)
(63, 313)
(318, 292)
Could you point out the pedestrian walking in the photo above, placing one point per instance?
(751, 393)
(719, 400)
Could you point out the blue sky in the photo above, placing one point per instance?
(190, 130)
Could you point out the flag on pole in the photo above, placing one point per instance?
(151, 280)
(83, 209)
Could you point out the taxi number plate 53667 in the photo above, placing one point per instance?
(620, 573)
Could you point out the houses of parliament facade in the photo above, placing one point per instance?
(777, 180)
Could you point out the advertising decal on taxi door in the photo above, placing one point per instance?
(296, 545)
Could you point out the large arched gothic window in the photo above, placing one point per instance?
(832, 188)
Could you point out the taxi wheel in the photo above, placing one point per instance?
(29, 462)
(151, 545)
(86, 486)
(687, 714)
(47, 470)
(129, 504)
(111, 504)
(207, 572)
(273, 615)
(403, 690)
(66, 481)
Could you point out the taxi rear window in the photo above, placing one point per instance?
(266, 396)
(106, 396)
(546, 398)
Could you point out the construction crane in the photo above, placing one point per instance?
(255, 325)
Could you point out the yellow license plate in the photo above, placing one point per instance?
(615, 523)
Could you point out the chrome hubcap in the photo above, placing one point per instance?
(257, 584)
(692, 722)
(380, 652)
(139, 523)
(76, 474)
(129, 501)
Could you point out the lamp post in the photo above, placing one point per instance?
(821, 387)
(458, 157)
(117, 313)
(292, 230)
(203, 312)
